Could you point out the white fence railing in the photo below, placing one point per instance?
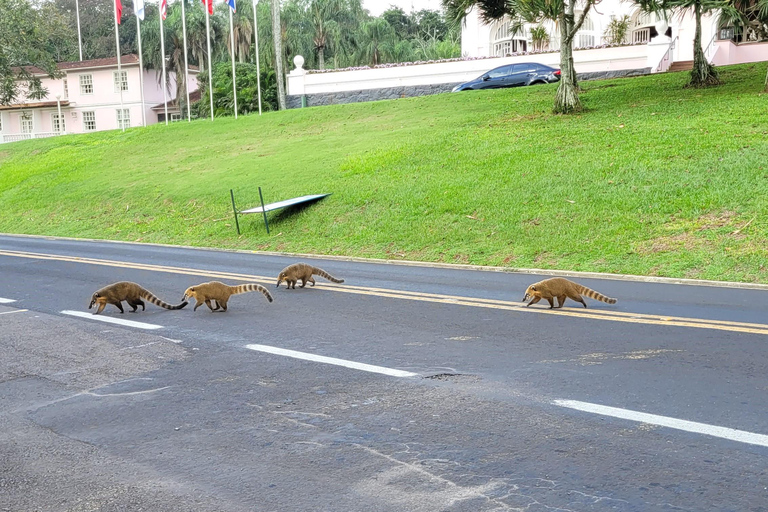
(15, 137)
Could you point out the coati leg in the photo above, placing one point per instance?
(533, 301)
(215, 303)
(119, 306)
(199, 303)
(102, 305)
(561, 300)
(577, 298)
(223, 306)
(134, 306)
(293, 283)
(208, 303)
(551, 301)
(303, 283)
(311, 280)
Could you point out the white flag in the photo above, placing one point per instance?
(138, 8)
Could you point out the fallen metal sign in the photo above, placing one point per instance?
(263, 209)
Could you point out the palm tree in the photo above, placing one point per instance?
(243, 28)
(277, 33)
(377, 39)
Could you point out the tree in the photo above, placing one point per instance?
(703, 73)
(247, 92)
(277, 33)
(324, 17)
(539, 37)
(402, 25)
(562, 12)
(25, 52)
(376, 40)
(616, 31)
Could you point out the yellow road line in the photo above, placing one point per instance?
(611, 316)
(14, 311)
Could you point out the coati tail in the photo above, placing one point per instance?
(592, 294)
(242, 288)
(157, 302)
(322, 273)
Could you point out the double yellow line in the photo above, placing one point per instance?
(611, 316)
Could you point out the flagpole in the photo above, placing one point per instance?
(79, 37)
(256, 37)
(141, 72)
(119, 67)
(186, 60)
(208, 40)
(162, 51)
(232, 39)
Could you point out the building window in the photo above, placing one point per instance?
(66, 89)
(57, 123)
(89, 121)
(175, 117)
(26, 122)
(586, 34)
(86, 84)
(123, 118)
(1, 122)
(120, 80)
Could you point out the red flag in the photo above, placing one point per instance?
(164, 8)
(210, 6)
(119, 10)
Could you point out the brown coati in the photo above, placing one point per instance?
(561, 288)
(292, 273)
(132, 293)
(220, 293)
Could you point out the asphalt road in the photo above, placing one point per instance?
(471, 402)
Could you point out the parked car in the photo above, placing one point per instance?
(512, 75)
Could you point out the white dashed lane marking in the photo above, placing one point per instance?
(110, 320)
(6, 301)
(331, 360)
(731, 434)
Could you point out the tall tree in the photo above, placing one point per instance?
(562, 12)
(377, 39)
(324, 16)
(703, 73)
(277, 32)
(24, 52)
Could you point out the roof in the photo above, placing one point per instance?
(42, 104)
(86, 64)
(193, 97)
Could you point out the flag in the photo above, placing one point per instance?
(210, 6)
(164, 8)
(138, 8)
(118, 11)
(231, 4)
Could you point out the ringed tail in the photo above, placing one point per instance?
(157, 302)
(592, 294)
(242, 288)
(322, 273)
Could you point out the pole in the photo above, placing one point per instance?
(256, 37)
(119, 68)
(234, 210)
(210, 63)
(61, 119)
(162, 57)
(141, 72)
(186, 60)
(79, 37)
(232, 42)
(263, 211)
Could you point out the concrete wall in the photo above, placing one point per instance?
(730, 53)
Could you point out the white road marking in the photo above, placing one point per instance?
(6, 301)
(14, 311)
(110, 320)
(741, 436)
(331, 360)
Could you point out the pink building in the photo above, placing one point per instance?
(87, 99)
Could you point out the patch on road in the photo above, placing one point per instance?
(602, 357)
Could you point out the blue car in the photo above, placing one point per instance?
(512, 75)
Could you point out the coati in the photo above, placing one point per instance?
(115, 293)
(292, 273)
(561, 288)
(220, 293)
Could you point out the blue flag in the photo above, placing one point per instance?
(231, 4)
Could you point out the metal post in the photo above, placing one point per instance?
(262, 210)
(186, 60)
(79, 37)
(256, 37)
(234, 79)
(234, 210)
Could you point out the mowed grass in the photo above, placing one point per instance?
(652, 179)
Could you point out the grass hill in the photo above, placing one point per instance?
(652, 179)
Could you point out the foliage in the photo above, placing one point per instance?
(489, 177)
(247, 91)
(539, 37)
(617, 30)
(26, 39)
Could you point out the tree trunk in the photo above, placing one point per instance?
(277, 33)
(766, 81)
(567, 97)
(320, 58)
(703, 73)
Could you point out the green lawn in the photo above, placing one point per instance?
(652, 179)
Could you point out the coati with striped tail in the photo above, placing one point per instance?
(219, 293)
(292, 273)
(561, 288)
(115, 293)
